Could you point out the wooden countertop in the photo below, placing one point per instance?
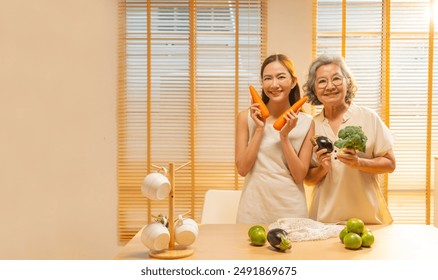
(230, 242)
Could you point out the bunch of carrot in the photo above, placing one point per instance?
(257, 99)
(281, 121)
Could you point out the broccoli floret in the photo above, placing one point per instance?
(351, 137)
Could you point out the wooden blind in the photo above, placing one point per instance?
(389, 47)
(184, 72)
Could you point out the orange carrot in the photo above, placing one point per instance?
(257, 99)
(281, 121)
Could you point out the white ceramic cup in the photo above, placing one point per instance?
(156, 186)
(186, 231)
(156, 236)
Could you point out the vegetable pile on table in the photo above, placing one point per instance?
(351, 137)
(276, 237)
(355, 235)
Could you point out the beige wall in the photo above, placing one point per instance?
(290, 32)
(58, 194)
(58, 84)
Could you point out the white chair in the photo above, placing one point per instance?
(220, 206)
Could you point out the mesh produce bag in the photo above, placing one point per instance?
(302, 229)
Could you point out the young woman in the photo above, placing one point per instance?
(273, 162)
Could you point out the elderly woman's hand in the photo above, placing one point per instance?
(349, 157)
(323, 158)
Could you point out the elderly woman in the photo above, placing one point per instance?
(345, 182)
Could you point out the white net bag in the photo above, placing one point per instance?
(302, 229)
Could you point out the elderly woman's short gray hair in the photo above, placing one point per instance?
(309, 86)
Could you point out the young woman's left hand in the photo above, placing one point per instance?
(291, 122)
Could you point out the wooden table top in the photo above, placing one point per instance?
(230, 242)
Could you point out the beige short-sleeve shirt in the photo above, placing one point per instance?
(346, 192)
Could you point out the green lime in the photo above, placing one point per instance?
(254, 228)
(355, 225)
(352, 241)
(367, 239)
(366, 229)
(343, 233)
(258, 237)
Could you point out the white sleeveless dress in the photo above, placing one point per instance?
(269, 192)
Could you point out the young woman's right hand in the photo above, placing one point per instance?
(256, 115)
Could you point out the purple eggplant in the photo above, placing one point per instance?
(278, 239)
(323, 143)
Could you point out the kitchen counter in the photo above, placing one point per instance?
(230, 242)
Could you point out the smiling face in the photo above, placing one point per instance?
(277, 82)
(330, 85)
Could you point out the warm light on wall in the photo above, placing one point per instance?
(432, 11)
(435, 191)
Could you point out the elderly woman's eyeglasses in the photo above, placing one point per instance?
(336, 80)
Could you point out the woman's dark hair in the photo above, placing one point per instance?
(294, 94)
(309, 86)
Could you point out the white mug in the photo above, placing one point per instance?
(186, 231)
(156, 236)
(156, 186)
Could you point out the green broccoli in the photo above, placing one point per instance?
(351, 137)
